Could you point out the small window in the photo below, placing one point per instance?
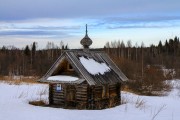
(69, 67)
(105, 91)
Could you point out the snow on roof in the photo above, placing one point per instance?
(62, 78)
(94, 67)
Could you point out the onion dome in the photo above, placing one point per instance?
(86, 41)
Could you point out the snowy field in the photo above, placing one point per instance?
(14, 106)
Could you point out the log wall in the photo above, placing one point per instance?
(83, 96)
(111, 99)
(56, 97)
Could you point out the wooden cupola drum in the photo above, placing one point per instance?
(84, 79)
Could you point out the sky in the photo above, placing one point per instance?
(23, 22)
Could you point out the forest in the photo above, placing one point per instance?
(28, 61)
(138, 62)
(147, 67)
(134, 59)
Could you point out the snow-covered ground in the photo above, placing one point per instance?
(14, 106)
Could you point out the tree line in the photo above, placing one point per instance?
(29, 61)
(132, 59)
(146, 66)
(138, 57)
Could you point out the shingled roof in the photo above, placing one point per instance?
(114, 75)
(108, 72)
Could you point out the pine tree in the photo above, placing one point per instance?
(34, 45)
(27, 50)
(160, 47)
(166, 47)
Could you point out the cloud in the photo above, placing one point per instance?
(56, 28)
(139, 22)
(106, 14)
(33, 29)
(142, 18)
(33, 9)
(3, 33)
(35, 33)
(137, 26)
(40, 28)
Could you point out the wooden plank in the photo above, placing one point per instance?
(56, 99)
(81, 93)
(81, 99)
(82, 86)
(58, 92)
(79, 89)
(82, 103)
(58, 95)
(81, 96)
(58, 103)
(77, 95)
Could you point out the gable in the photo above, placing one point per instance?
(62, 71)
(94, 67)
(64, 67)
